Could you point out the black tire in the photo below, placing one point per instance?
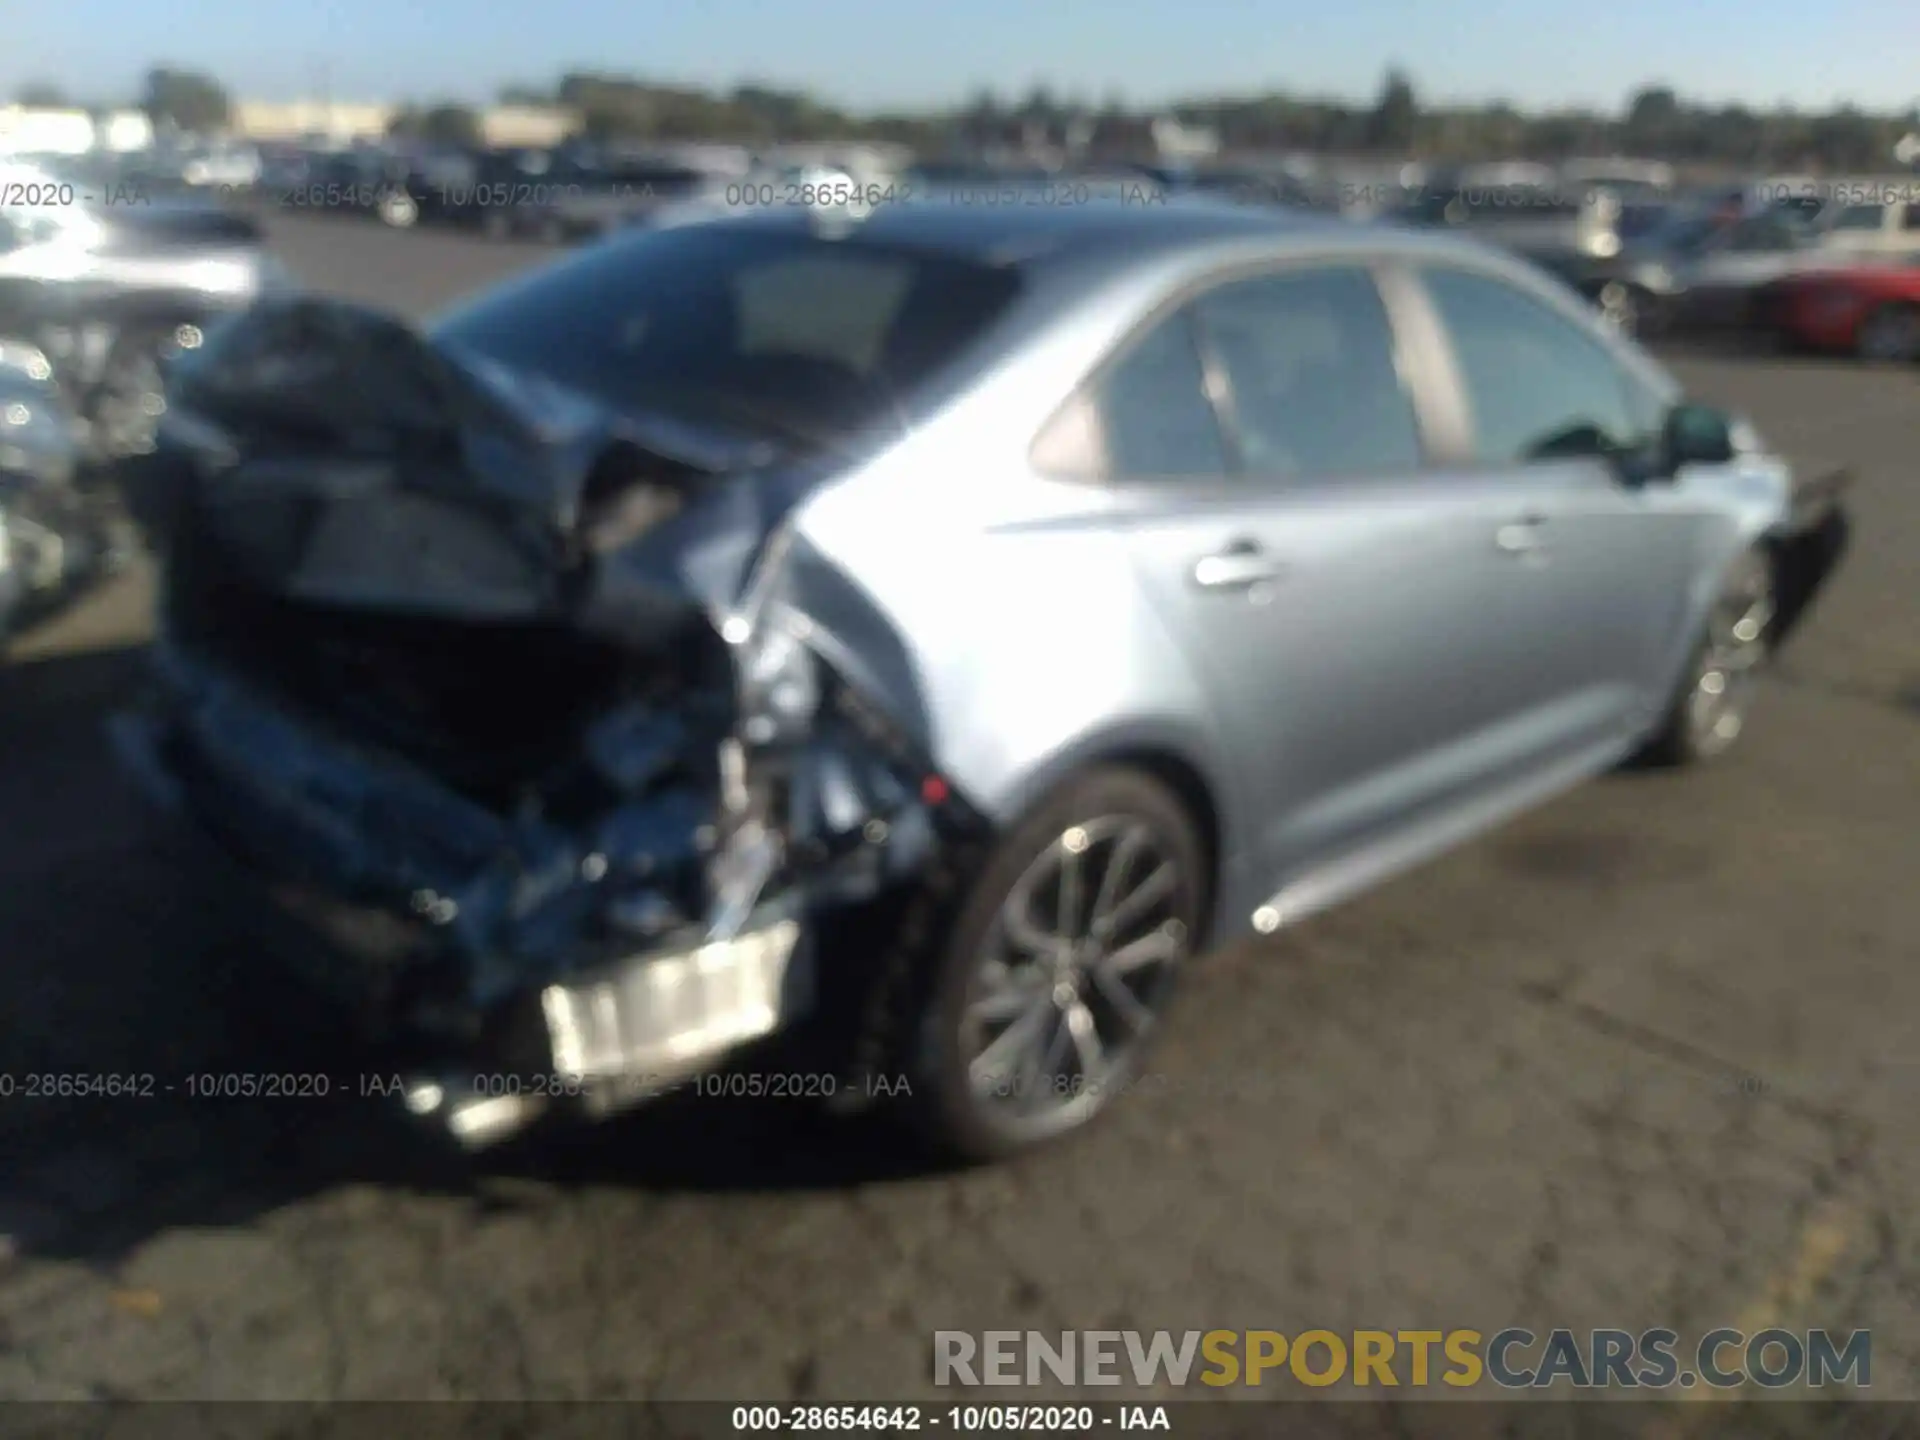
(1890, 334)
(944, 940)
(1687, 735)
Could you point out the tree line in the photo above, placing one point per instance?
(1655, 122)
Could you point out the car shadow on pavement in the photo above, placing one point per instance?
(121, 971)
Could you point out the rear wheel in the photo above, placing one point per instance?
(1051, 984)
(1709, 710)
(1891, 333)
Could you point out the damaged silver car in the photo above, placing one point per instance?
(917, 633)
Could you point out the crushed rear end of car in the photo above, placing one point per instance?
(536, 721)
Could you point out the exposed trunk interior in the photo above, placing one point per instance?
(491, 707)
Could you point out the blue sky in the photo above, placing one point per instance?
(910, 53)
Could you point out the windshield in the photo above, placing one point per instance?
(808, 335)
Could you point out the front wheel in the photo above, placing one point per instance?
(1890, 334)
(1709, 709)
(1041, 1004)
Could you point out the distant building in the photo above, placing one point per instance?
(34, 130)
(338, 122)
(344, 122)
(530, 127)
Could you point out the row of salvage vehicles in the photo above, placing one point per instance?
(100, 284)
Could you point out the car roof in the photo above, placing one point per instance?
(1049, 227)
(1068, 249)
(991, 223)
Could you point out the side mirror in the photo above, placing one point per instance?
(1696, 435)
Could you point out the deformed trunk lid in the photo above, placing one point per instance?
(363, 462)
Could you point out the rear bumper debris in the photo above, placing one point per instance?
(518, 970)
(628, 1031)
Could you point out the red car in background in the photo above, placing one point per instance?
(1872, 311)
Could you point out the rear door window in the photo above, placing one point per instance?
(1155, 416)
(1309, 358)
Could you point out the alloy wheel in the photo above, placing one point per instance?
(1074, 974)
(1730, 659)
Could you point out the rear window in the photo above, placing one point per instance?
(801, 330)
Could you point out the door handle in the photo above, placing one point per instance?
(1240, 566)
(1522, 536)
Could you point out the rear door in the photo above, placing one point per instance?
(1332, 588)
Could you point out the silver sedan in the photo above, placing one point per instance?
(918, 630)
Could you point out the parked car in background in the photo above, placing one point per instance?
(1717, 278)
(1246, 184)
(109, 291)
(1885, 224)
(227, 168)
(497, 191)
(592, 196)
(1692, 270)
(1576, 236)
(1547, 225)
(283, 167)
(1872, 311)
(1049, 592)
(815, 187)
(1631, 180)
(1808, 208)
(53, 541)
(365, 181)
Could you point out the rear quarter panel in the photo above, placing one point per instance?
(1029, 645)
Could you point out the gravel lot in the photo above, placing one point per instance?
(1647, 1057)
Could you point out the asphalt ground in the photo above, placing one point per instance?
(1646, 1057)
